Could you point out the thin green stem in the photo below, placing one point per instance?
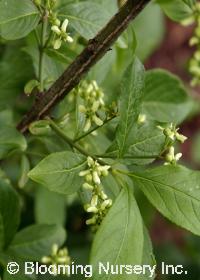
(41, 49)
(94, 129)
(130, 157)
(59, 131)
(48, 40)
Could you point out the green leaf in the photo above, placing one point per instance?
(34, 242)
(9, 213)
(10, 139)
(148, 255)
(17, 18)
(50, 208)
(15, 70)
(59, 172)
(175, 192)
(87, 17)
(177, 10)
(190, 3)
(52, 68)
(149, 21)
(145, 143)
(132, 87)
(165, 97)
(120, 238)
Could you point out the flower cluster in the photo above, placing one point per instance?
(172, 134)
(171, 158)
(99, 203)
(60, 30)
(58, 256)
(194, 65)
(93, 97)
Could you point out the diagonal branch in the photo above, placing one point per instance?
(92, 53)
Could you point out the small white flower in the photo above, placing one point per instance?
(104, 170)
(95, 106)
(103, 195)
(171, 158)
(96, 178)
(106, 203)
(87, 186)
(178, 156)
(84, 173)
(87, 125)
(94, 201)
(57, 44)
(92, 209)
(69, 39)
(97, 120)
(180, 137)
(91, 221)
(90, 161)
(82, 109)
(64, 25)
(56, 29)
(88, 178)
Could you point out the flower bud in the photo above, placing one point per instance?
(178, 156)
(57, 44)
(56, 29)
(69, 39)
(92, 209)
(141, 119)
(88, 178)
(94, 200)
(55, 249)
(103, 195)
(88, 187)
(96, 178)
(84, 173)
(95, 106)
(64, 25)
(97, 120)
(87, 125)
(82, 109)
(90, 161)
(91, 221)
(181, 137)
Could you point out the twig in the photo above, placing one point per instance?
(94, 129)
(68, 140)
(94, 51)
